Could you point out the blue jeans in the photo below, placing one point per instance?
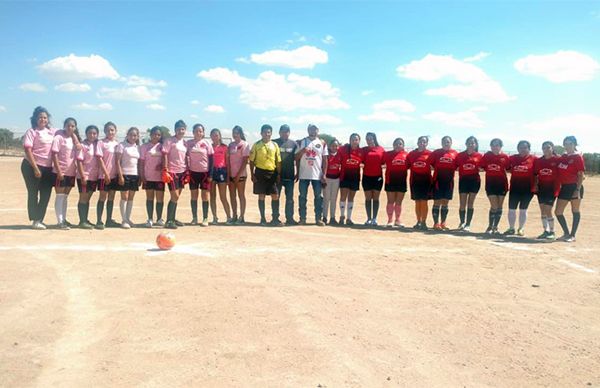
(288, 186)
(317, 188)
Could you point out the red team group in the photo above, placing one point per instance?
(60, 159)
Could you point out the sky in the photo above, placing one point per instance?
(515, 70)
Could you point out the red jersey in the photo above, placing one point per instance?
(373, 159)
(546, 171)
(350, 160)
(468, 164)
(494, 165)
(219, 160)
(396, 167)
(568, 168)
(444, 164)
(418, 162)
(521, 177)
(334, 166)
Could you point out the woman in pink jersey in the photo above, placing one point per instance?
(174, 152)
(239, 151)
(150, 174)
(37, 166)
(219, 176)
(396, 171)
(571, 174)
(127, 155)
(109, 182)
(200, 163)
(64, 168)
(87, 175)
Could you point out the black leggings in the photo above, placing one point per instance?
(519, 199)
(38, 190)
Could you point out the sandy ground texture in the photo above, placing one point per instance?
(303, 306)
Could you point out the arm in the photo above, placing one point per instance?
(81, 174)
(580, 179)
(103, 168)
(252, 171)
(324, 168)
(31, 160)
(59, 173)
(141, 171)
(119, 168)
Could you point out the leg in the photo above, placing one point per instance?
(233, 199)
(222, 187)
(33, 188)
(289, 200)
(302, 198)
(462, 208)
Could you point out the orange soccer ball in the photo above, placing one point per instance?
(165, 240)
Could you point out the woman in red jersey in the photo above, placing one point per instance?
(546, 187)
(351, 157)
(521, 187)
(372, 180)
(332, 179)
(396, 170)
(571, 174)
(469, 181)
(443, 162)
(220, 176)
(420, 180)
(495, 163)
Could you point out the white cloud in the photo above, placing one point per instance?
(243, 60)
(386, 116)
(272, 90)
(135, 93)
(74, 68)
(328, 40)
(136, 80)
(305, 57)
(194, 116)
(32, 87)
(214, 109)
(466, 119)
(156, 107)
(71, 87)
(195, 102)
(473, 83)
(316, 119)
(2, 108)
(366, 92)
(86, 106)
(561, 66)
(395, 105)
(477, 57)
(389, 111)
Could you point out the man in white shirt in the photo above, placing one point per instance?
(312, 165)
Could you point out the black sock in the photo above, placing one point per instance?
(461, 215)
(563, 224)
(159, 209)
(369, 208)
(80, 211)
(435, 211)
(470, 212)
(261, 208)
(375, 208)
(275, 208)
(171, 211)
(109, 210)
(444, 211)
(86, 211)
(497, 218)
(491, 218)
(576, 219)
(99, 210)
(205, 209)
(194, 205)
(149, 208)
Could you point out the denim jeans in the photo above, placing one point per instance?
(317, 188)
(288, 186)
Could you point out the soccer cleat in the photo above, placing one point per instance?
(462, 227)
(99, 225)
(368, 223)
(38, 225)
(444, 227)
(324, 220)
(263, 222)
(160, 222)
(509, 232)
(424, 227)
(302, 221)
(62, 226)
(389, 224)
(398, 224)
(204, 222)
(417, 226)
(85, 225)
(70, 225)
(495, 231)
(333, 222)
(230, 221)
(521, 232)
(112, 224)
(349, 222)
(489, 230)
(178, 223)
(374, 222)
(320, 223)
(467, 228)
(170, 225)
(194, 221)
(291, 222)
(125, 225)
(215, 221)
(148, 224)
(240, 221)
(342, 220)
(550, 236)
(542, 236)
(437, 227)
(570, 239)
(276, 222)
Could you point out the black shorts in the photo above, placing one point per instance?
(219, 175)
(567, 192)
(153, 185)
(266, 182)
(108, 185)
(199, 180)
(519, 199)
(132, 183)
(396, 187)
(372, 183)
(178, 180)
(68, 181)
(496, 186)
(351, 180)
(90, 186)
(420, 187)
(469, 184)
(443, 189)
(546, 195)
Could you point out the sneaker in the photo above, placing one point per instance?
(62, 226)
(99, 225)
(374, 222)
(389, 224)
(263, 222)
(333, 222)
(171, 225)
(276, 222)
(424, 227)
(437, 227)
(495, 231)
(509, 232)
(417, 226)
(550, 236)
(148, 224)
(368, 223)
(38, 225)
(324, 220)
(342, 220)
(234, 219)
(302, 221)
(320, 223)
(70, 225)
(85, 225)
(570, 239)
(291, 222)
(125, 225)
(521, 232)
(240, 221)
(215, 221)
(112, 224)
(467, 228)
(542, 236)
(444, 227)
(204, 222)
(462, 227)
(178, 223)
(160, 222)
(489, 230)
(398, 224)
(229, 221)
(349, 222)
(194, 221)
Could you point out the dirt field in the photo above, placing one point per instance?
(295, 306)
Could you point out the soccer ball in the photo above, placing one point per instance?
(165, 240)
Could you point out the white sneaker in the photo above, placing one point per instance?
(38, 225)
(148, 224)
(125, 225)
(368, 223)
(389, 224)
(204, 222)
(466, 228)
(160, 222)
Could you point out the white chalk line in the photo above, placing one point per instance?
(577, 266)
(516, 247)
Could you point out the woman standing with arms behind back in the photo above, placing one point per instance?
(571, 173)
(521, 187)
(469, 181)
(495, 163)
(420, 180)
(239, 151)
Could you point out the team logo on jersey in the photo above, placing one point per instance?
(317, 145)
(419, 164)
(202, 145)
(311, 153)
(398, 162)
(468, 166)
(352, 162)
(335, 166)
(493, 167)
(521, 168)
(546, 171)
(563, 166)
(446, 159)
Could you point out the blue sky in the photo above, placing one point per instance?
(515, 70)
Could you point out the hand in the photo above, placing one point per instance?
(577, 193)
(79, 147)
(536, 188)
(296, 178)
(141, 181)
(324, 181)
(37, 173)
(253, 178)
(278, 179)
(121, 180)
(83, 182)
(60, 176)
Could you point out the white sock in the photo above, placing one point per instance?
(122, 208)
(342, 209)
(58, 207)
(550, 221)
(350, 207)
(128, 210)
(545, 223)
(522, 218)
(64, 206)
(512, 218)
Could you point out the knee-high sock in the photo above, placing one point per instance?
(65, 204)
(470, 212)
(563, 224)
(171, 210)
(99, 210)
(261, 208)
(375, 208)
(461, 215)
(109, 209)
(576, 219)
(545, 223)
(512, 218)
(86, 211)
(275, 209)
(123, 209)
(435, 212)
(491, 218)
(58, 203)
(368, 208)
(194, 205)
(349, 209)
(80, 212)
(398, 211)
(150, 208)
(497, 217)
(128, 210)
(550, 221)
(159, 209)
(205, 206)
(444, 213)
(389, 209)
(522, 218)
(342, 209)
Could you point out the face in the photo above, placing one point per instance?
(284, 134)
(370, 141)
(569, 146)
(215, 137)
(110, 132)
(132, 137)
(547, 149)
(422, 143)
(198, 133)
(155, 137)
(91, 135)
(471, 145)
(236, 136)
(180, 132)
(266, 135)
(446, 143)
(42, 120)
(523, 149)
(333, 147)
(70, 127)
(313, 131)
(354, 141)
(398, 146)
(496, 147)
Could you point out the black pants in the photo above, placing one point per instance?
(38, 190)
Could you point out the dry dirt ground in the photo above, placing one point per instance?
(302, 306)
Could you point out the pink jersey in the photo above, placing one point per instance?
(87, 156)
(237, 153)
(220, 160)
(176, 151)
(40, 143)
(129, 154)
(151, 157)
(63, 147)
(106, 150)
(198, 152)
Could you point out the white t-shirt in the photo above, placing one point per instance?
(130, 154)
(311, 163)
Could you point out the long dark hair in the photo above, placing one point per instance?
(155, 129)
(76, 131)
(239, 130)
(374, 136)
(216, 130)
(36, 113)
(349, 146)
(474, 139)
